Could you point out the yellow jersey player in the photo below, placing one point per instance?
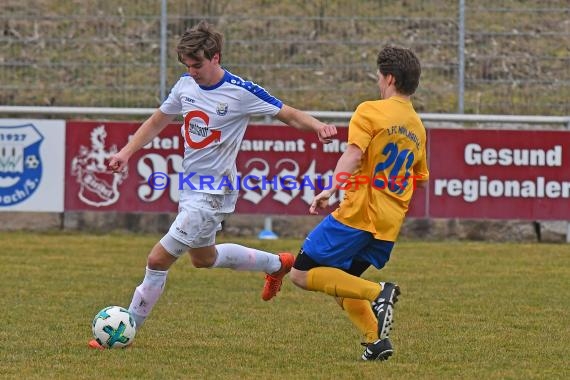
(384, 161)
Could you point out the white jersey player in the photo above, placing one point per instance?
(215, 119)
(216, 106)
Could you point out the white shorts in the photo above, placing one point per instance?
(200, 216)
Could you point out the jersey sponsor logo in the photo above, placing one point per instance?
(99, 186)
(192, 128)
(20, 163)
(222, 109)
(188, 100)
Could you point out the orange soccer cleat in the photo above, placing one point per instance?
(95, 345)
(273, 281)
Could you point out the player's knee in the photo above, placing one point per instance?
(203, 257)
(202, 262)
(298, 278)
(159, 259)
(154, 262)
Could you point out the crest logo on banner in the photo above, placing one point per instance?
(20, 163)
(99, 186)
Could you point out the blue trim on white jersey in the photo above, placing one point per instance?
(253, 88)
(250, 86)
(221, 82)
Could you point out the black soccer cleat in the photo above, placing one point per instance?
(379, 350)
(383, 307)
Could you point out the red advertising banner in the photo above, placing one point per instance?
(91, 186)
(489, 174)
(293, 160)
(293, 165)
(499, 174)
(283, 153)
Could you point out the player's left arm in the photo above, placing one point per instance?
(421, 184)
(302, 120)
(421, 171)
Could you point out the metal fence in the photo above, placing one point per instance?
(488, 57)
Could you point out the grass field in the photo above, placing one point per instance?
(468, 311)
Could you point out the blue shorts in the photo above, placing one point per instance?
(337, 245)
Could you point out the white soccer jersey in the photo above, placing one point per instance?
(215, 119)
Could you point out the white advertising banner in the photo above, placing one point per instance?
(32, 159)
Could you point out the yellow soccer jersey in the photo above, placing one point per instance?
(393, 140)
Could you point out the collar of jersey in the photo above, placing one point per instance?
(399, 99)
(225, 78)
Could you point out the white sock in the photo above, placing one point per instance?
(146, 295)
(238, 257)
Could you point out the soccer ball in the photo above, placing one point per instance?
(114, 327)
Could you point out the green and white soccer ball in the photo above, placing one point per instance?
(114, 327)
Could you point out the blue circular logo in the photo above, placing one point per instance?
(20, 163)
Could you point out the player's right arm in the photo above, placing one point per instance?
(146, 132)
(347, 164)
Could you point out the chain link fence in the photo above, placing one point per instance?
(511, 57)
